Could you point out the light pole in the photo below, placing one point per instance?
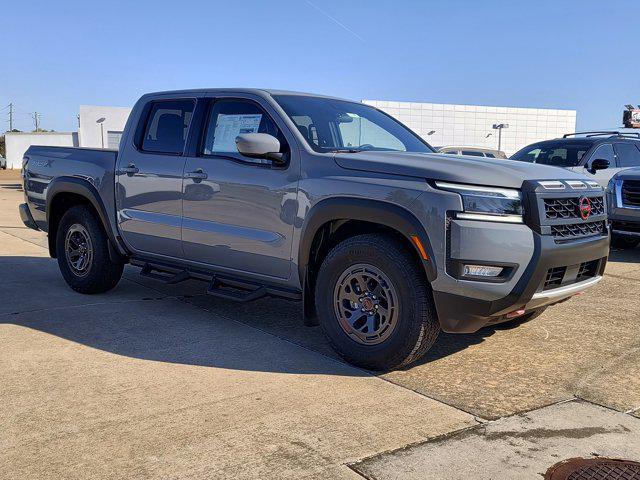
(499, 127)
(101, 122)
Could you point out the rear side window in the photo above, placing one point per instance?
(628, 155)
(490, 155)
(167, 126)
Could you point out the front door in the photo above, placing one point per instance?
(604, 152)
(239, 212)
(149, 179)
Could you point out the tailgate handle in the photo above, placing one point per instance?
(130, 170)
(198, 174)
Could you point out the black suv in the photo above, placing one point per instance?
(599, 155)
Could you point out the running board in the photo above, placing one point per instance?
(221, 286)
(168, 278)
(236, 291)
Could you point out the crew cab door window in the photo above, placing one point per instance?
(628, 155)
(605, 152)
(167, 126)
(229, 118)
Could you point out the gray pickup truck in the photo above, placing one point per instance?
(328, 201)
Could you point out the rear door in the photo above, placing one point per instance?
(628, 155)
(149, 178)
(239, 212)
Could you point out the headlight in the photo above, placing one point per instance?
(487, 203)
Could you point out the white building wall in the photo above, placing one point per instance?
(469, 125)
(90, 133)
(18, 142)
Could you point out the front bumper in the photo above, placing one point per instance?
(625, 221)
(463, 314)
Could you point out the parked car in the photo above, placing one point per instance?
(270, 193)
(473, 151)
(598, 155)
(3, 163)
(623, 198)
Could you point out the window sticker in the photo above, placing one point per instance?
(228, 127)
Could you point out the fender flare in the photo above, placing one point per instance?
(374, 211)
(84, 188)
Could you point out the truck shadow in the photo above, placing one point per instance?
(179, 324)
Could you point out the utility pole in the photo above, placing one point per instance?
(36, 119)
(11, 117)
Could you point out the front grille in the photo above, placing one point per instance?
(566, 208)
(587, 270)
(631, 193)
(574, 230)
(554, 277)
(570, 274)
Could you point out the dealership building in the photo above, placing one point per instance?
(439, 124)
(472, 126)
(98, 127)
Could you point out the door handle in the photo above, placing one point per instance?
(130, 170)
(196, 175)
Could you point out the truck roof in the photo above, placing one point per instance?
(256, 91)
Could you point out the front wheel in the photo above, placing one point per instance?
(374, 303)
(83, 253)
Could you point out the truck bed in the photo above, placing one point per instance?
(42, 165)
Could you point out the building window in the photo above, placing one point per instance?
(113, 139)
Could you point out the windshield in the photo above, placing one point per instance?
(330, 125)
(558, 154)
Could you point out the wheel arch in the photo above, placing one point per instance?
(66, 192)
(328, 216)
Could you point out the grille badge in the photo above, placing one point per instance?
(584, 205)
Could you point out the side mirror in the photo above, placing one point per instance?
(598, 164)
(260, 145)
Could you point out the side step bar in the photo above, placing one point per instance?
(220, 286)
(235, 291)
(168, 278)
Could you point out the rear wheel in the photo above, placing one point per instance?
(374, 303)
(621, 241)
(83, 253)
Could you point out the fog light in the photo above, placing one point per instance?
(481, 271)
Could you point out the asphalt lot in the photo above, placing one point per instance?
(157, 381)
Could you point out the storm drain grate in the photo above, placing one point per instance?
(594, 469)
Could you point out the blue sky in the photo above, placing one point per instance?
(555, 54)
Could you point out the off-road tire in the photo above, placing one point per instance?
(624, 242)
(417, 325)
(101, 274)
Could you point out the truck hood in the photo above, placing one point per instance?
(629, 174)
(453, 168)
